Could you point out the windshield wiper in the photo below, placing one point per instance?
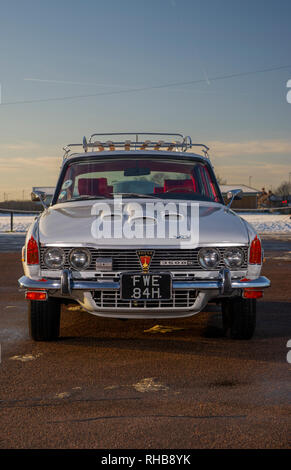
(150, 196)
(83, 198)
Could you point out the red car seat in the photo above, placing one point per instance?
(93, 187)
(178, 186)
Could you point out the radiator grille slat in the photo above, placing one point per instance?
(111, 299)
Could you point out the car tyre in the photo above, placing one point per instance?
(239, 317)
(44, 319)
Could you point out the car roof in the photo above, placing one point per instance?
(135, 153)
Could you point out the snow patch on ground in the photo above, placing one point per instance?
(21, 223)
(268, 223)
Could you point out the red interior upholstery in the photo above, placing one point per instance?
(179, 186)
(158, 190)
(93, 187)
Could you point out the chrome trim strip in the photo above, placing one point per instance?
(145, 247)
(55, 284)
(261, 282)
(177, 275)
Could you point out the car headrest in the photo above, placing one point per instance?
(179, 186)
(158, 190)
(92, 187)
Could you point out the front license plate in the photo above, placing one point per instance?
(146, 286)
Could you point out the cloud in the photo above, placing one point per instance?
(44, 162)
(266, 161)
(251, 147)
(20, 146)
(28, 154)
(274, 168)
(262, 173)
(27, 164)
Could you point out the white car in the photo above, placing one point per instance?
(138, 228)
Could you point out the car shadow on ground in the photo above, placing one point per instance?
(199, 334)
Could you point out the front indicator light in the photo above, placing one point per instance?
(252, 294)
(38, 295)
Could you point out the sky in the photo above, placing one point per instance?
(50, 50)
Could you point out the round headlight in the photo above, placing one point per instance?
(80, 258)
(54, 258)
(233, 257)
(209, 258)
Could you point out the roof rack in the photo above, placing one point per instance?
(138, 141)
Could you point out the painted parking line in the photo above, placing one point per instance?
(25, 357)
(149, 385)
(163, 329)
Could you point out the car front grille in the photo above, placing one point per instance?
(111, 299)
(127, 259)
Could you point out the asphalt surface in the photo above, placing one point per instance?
(112, 384)
(11, 241)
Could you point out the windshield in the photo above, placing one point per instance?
(139, 177)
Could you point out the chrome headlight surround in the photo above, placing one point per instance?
(54, 258)
(233, 257)
(80, 258)
(209, 258)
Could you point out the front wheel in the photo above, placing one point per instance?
(44, 319)
(239, 317)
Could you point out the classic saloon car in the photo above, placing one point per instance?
(139, 229)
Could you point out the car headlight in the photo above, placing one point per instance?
(54, 258)
(80, 258)
(233, 257)
(209, 258)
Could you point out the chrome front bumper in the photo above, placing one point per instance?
(83, 292)
(66, 284)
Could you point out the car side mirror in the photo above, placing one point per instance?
(39, 196)
(234, 194)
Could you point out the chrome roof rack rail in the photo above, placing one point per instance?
(171, 142)
(205, 149)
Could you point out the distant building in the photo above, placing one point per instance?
(249, 197)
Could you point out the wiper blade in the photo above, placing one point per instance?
(84, 198)
(149, 196)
